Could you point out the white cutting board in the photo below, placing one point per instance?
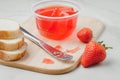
(33, 59)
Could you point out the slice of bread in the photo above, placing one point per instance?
(9, 29)
(13, 55)
(12, 44)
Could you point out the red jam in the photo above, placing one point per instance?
(53, 27)
(48, 61)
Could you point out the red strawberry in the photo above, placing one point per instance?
(94, 53)
(85, 35)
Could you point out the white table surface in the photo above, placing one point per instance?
(107, 11)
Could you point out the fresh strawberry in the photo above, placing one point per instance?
(85, 35)
(94, 53)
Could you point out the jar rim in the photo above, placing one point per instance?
(76, 6)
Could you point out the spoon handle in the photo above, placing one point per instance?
(49, 49)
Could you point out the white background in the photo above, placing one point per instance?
(107, 11)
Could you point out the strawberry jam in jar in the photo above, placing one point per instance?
(56, 19)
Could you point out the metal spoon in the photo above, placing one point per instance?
(49, 49)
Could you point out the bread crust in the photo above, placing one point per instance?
(4, 45)
(7, 56)
(9, 34)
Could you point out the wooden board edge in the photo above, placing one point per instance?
(45, 71)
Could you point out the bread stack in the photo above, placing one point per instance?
(12, 45)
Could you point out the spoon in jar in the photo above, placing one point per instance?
(49, 49)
